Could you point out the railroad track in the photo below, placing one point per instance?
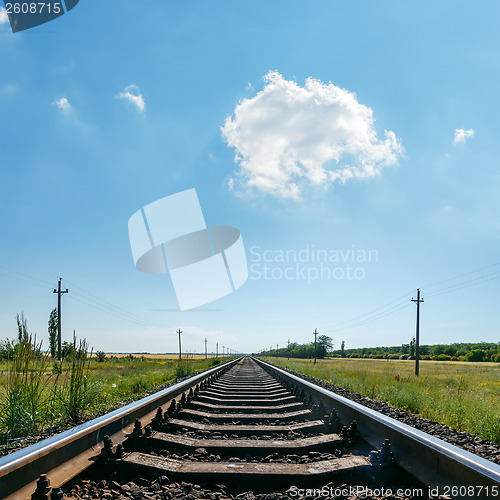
(249, 426)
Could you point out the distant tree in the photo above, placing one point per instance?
(451, 350)
(424, 350)
(324, 346)
(412, 346)
(437, 350)
(22, 328)
(67, 349)
(476, 355)
(53, 332)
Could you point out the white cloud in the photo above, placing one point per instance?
(289, 136)
(63, 104)
(461, 135)
(4, 18)
(133, 95)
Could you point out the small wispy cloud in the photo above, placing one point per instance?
(63, 104)
(132, 94)
(4, 18)
(462, 135)
(11, 88)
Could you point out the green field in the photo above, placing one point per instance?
(35, 397)
(464, 396)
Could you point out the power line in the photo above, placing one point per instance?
(337, 326)
(401, 304)
(381, 315)
(466, 284)
(429, 285)
(26, 277)
(112, 313)
(116, 312)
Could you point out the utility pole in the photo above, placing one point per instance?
(315, 335)
(179, 331)
(417, 339)
(223, 347)
(217, 350)
(205, 348)
(59, 293)
(288, 351)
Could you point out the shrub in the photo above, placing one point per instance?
(441, 357)
(476, 355)
(182, 369)
(101, 356)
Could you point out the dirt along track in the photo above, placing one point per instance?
(252, 431)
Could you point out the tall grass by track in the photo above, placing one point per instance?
(35, 397)
(464, 396)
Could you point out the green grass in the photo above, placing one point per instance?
(464, 396)
(91, 389)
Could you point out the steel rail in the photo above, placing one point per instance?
(65, 455)
(433, 461)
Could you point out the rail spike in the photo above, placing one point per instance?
(159, 415)
(43, 488)
(57, 494)
(383, 456)
(120, 451)
(172, 408)
(334, 421)
(137, 428)
(107, 449)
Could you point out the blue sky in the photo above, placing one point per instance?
(275, 112)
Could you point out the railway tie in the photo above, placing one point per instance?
(247, 426)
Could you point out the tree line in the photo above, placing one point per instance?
(458, 351)
(324, 345)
